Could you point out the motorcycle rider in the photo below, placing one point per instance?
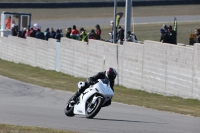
(110, 73)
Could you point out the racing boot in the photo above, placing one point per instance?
(74, 99)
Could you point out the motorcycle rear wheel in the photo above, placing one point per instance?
(92, 112)
(69, 110)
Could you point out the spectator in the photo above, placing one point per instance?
(27, 32)
(83, 35)
(165, 38)
(52, 33)
(172, 34)
(75, 33)
(69, 30)
(46, 34)
(8, 22)
(14, 30)
(112, 24)
(197, 32)
(61, 33)
(98, 31)
(131, 37)
(92, 35)
(36, 27)
(23, 33)
(111, 33)
(58, 35)
(164, 27)
(32, 32)
(39, 34)
(120, 34)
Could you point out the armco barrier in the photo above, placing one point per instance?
(153, 66)
(94, 4)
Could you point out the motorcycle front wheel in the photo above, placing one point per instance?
(93, 109)
(69, 110)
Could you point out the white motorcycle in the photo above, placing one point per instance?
(91, 100)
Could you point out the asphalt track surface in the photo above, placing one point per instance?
(30, 105)
(91, 22)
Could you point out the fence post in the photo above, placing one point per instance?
(58, 56)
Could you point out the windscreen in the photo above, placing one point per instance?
(105, 81)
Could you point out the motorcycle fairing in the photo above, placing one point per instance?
(99, 87)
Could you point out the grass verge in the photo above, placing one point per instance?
(57, 80)
(4, 128)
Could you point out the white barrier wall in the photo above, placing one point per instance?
(35, 52)
(153, 66)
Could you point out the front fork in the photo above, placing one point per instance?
(94, 99)
(92, 104)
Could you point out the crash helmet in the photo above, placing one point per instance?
(111, 73)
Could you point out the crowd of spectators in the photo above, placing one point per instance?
(35, 31)
(71, 32)
(168, 35)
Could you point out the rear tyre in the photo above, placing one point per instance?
(69, 110)
(91, 111)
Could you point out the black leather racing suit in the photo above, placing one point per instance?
(92, 80)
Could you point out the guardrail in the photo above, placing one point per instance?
(92, 4)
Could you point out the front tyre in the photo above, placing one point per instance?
(92, 110)
(69, 110)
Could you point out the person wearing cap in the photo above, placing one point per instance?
(83, 35)
(75, 33)
(8, 22)
(172, 34)
(98, 31)
(131, 37)
(36, 27)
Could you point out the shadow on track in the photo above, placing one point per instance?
(117, 120)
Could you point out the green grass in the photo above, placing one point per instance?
(4, 128)
(57, 80)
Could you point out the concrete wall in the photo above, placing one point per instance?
(35, 52)
(153, 66)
